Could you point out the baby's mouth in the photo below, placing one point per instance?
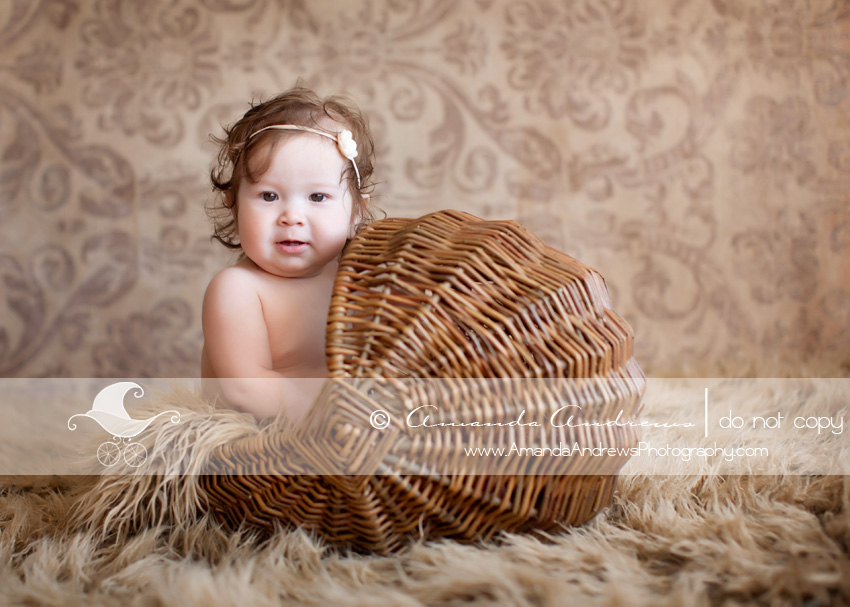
(292, 246)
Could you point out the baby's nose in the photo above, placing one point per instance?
(291, 215)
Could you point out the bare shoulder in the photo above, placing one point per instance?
(235, 334)
(241, 274)
(234, 291)
(237, 282)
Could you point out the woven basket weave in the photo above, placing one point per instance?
(418, 304)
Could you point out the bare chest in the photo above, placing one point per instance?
(296, 313)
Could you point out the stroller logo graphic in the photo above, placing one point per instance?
(108, 411)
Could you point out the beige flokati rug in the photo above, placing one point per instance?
(698, 539)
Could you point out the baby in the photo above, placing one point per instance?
(293, 175)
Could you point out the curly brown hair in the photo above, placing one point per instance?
(298, 106)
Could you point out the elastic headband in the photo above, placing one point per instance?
(344, 141)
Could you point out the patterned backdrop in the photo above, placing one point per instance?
(695, 152)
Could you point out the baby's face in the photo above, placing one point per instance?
(296, 219)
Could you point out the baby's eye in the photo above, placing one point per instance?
(269, 196)
(318, 197)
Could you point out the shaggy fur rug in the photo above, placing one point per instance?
(696, 533)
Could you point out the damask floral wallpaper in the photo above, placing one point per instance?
(695, 152)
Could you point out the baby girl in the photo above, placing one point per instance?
(293, 177)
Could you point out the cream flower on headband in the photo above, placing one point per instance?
(347, 145)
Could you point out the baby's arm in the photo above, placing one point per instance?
(237, 345)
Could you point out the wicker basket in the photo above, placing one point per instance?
(478, 320)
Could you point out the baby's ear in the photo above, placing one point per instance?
(358, 215)
(230, 204)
